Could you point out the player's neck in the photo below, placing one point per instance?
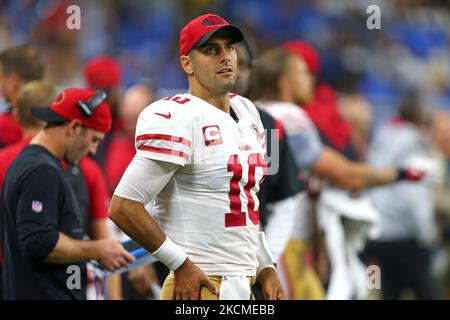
(30, 132)
(48, 138)
(220, 101)
(285, 97)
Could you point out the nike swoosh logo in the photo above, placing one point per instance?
(167, 116)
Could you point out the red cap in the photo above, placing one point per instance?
(69, 104)
(306, 53)
(200, 29)
(102, 72)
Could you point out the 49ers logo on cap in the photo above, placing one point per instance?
(213, 21)
(60, 98)
(212, 136)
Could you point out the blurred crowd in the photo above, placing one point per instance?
(130, 49)
(410, 51)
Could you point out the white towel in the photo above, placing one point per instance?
(235, 288)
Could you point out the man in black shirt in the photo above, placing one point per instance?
(42, 224)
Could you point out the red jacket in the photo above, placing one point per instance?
(11, 132)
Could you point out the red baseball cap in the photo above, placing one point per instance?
(306, 52)
(75, 103)
(103, 72)
(200, 29)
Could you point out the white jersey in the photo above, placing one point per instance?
(210, 206)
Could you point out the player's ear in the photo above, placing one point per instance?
(74, 127)
(186, 63)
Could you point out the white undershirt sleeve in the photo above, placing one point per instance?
(144, 179)
(279, 225)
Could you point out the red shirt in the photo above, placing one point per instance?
(323, 111)
(97, 188)
(8, 154)
(120, 152)
(11, 132)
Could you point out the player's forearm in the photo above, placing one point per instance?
(364, 176)
(134, 220)
(68, 250)
(334, 167)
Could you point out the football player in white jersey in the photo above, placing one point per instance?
(200, 160)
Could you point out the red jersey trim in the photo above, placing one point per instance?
(164, 137)
(164, 151)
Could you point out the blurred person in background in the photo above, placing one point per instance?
(38, 248)
(121, 149)
(356, 111)
(18, 66)
(105, 73)
(440, 127)
(279, 83)
(407, 226)
(322, 108)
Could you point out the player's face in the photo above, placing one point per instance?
(214, 64)
(85, 143)
(300, 80)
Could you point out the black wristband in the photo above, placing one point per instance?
(401, 174)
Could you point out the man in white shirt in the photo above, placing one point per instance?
(200, 159)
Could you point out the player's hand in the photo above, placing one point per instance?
(431, 170)
(411, 174)
(188, 281)
(271, 286)
(111, 254)
(321, 268)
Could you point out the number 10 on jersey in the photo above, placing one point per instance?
(237, 218)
